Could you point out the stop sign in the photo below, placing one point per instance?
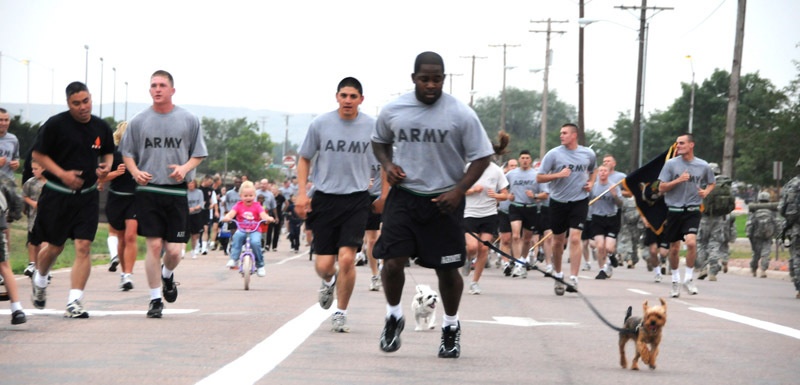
(289, 161)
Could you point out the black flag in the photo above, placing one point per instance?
(643, 185)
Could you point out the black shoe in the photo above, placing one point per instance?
(390, 337)
(451, 342)
(601, 275)
(614, 260)
(508, 269)
(156, 307)
(169, 289)
(114, 262)
(18, 317)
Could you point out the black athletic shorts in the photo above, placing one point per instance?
(650, 238)
(63, 216)
(414, 227)
(680, 223)
(524, 213)
(33, 239)
(339, 221)
(503, 222)
(485, 225)
(605, 226)
(120, 208)
(374, 220)
(197, 222)
(542, 220)
(163, 212)
(568, 215)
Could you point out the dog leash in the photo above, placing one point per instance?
(570, 288)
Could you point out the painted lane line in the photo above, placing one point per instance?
(768, 326)
(642, 292)
(101, 313)
(521, 321)
(265, 356)
(282, 261)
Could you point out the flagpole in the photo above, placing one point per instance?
(591, 202)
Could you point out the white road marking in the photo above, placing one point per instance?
(521, 321)
(282, 261)
(99, 313)
(768, 326)
(637, 291)
(265, 356)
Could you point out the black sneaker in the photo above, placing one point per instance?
(601, 275)
(390, 337)
(169, 288)
(451, 342)
(114, 262)
(156, 307)
(18, 317)
(507, 270)
(613, 259)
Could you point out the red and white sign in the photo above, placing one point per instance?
(289, 161)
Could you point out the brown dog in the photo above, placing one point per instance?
(646, 331)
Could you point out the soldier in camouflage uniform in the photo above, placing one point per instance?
(789, 208)
(629, 233)
(713, 237)
(761, 229)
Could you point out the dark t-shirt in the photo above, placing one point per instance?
(123, 183)
(74, 145)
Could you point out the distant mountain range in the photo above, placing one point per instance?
(270, 122)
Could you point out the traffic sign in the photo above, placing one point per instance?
(289, 161)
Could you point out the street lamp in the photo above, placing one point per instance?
(503, 96)
(114, 95)
(691, 98)
(86, 75)
(101, 88)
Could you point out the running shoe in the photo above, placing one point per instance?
(169, 288)
(390, 337)
(507, 269)
(474, 288)
(261, 272)
(156, 308)
(675, 292)
(613, 259)
(39, 296)
(339, 323)
(601, 275)
(326, 293)
(114, 263)
(450, 346)
(75, 310)
(690, 287)
(559, 288)
(18, 317)
(125, 283)
(30, 269)
(375, 283)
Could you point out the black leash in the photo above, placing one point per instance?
(570, 288)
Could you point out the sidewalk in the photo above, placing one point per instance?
(741, 266)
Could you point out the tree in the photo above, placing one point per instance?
(236, 146)
(523, 114)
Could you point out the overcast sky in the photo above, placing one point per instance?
(289, 55)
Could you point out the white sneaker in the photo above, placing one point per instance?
(548, 269)
(519, 271)
(690, 287)
(609, 270)
(675, 291)
(587, 266)
(375, 283)
(231, 264)
(657, 279)
(194, 254)
(261, 272)
(474, 288)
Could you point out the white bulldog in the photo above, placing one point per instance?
(424, 307)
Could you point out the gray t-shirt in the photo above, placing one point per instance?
(613, 177)
(374, 174)
(194, 198)
(432, 142)
(580, 160)
(604, 206)
(520, 181)
(269, 199)
(231, 199)
(155, 141)
(9, 148)
(686, 193)
(341, 146)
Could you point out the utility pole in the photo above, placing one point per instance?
(637, 110)
(733, 92)
(503, 95)
(581, 122)
(450, 79)
(285, 136)
(472, 82)
(547, 60)
(264, 120)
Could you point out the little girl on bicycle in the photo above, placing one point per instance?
(247, 213)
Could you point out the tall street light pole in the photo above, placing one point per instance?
(450, 79)
(503, 94)
(114, 95)
(86, 68)
(581, 122)
(472, 81)
(101, 88)
(691, 98)
(547, 61)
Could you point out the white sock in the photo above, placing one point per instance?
(39, 280)
(332, 281)
(166, 273)
(395, 311)
(688, 274)
(113, 242)
(341, 311)
(449, 320)
(16, 306)
(676, 275)
(74, 295)
(155, 293)
(559, 275)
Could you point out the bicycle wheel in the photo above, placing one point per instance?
(247, 268)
